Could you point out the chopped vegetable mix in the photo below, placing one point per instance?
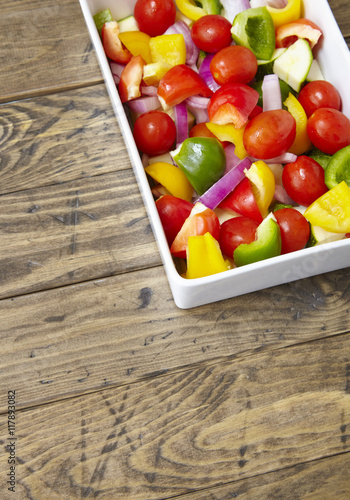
(244, 143)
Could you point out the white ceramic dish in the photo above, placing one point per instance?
(334, 58)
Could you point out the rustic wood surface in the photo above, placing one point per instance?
(120, 394)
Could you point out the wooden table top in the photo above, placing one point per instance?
(118, 393)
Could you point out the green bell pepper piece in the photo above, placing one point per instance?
(338, 168)
(202, 160)
(268, 244)
(101, 18)
(254, 29)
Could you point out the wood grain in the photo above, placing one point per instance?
(122, 329)
(327, 478)
(45, 48)
(194, 430)
(54, 139)
(72, 232)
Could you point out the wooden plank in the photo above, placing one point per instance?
(125, 328)
(45, 46)
(194, 430)
(327, 478)
(72, 232)
(54, 139)
(341, 13)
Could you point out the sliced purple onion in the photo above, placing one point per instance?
(232, 159)
(200, 114)
(192, 51)
(214, 195)
(283, 158)
(116, 79)
(234, 7)
(277, 4)
(271, 93)
(144, 104)
(282, 196)
(197, 101)
(116, 68)
(148, 90)
(206, 74)
(258, 3)
(181, 122)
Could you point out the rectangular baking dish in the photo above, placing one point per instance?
(334, 58)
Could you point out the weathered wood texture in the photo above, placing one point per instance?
(45, 47)
(194, 430)
(73, 232)
(55, 139)
(122, 329)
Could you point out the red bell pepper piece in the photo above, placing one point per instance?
(198, 223)
(232, 103)
(242, 201)
(131, 78)
(179, 83)
(112, 44)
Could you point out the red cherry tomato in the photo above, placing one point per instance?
(269, 134)
(154, 16)
(235, 231)
(242, 201)
(295, 229)
(233, 64)
(319, 94)
(172, 212)
(303, 180)
(329, 130)
(211, 33)
(154, 132)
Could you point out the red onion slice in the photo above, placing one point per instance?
(181, 122)
(232, 159)
(148, 90)
(144, 104)
(283, 158)
(282, 196)
(200, 114)
(271, 92)
(277, 4)
(214, 195)
(205, 73)
(197, 101)
(234, 7)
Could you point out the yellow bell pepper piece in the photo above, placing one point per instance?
(231, 134)
(154, 72)
(291, 12)
(204, 257)
(137, 43)
(331, 211)
(190, 9)
(172, 178)
(263, 185)
(301, 142)
(168, 49)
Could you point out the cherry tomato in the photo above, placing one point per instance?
(269, 134)
(319, 94)
(233, 64)
(242, 201)
(154, 16)
(235, 231)
(329, 130)
(295, 229)
(172, 212)
(211, 33)
(154, 132)
(304, 180)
